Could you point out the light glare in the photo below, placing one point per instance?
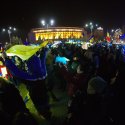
(43, 22)
(14, 29)
(90, 23)
(86, 25)
(52, 22)
(3, 30)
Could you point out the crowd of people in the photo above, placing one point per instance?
(93, 79)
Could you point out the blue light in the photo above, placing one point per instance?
(62, 60)
(122, 36)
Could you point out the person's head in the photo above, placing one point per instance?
(96, 85)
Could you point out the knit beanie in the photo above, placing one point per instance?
(96, 85)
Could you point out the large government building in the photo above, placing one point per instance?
(56, 33)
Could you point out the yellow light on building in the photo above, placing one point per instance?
(57, 33)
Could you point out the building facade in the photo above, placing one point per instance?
(56, 33)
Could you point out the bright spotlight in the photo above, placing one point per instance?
(96, 25)
(43, 22)
(90, 23)
(14, 29)
(10, 28)
(112, 30)
(86, 25)
(3, 30)
(51, 22)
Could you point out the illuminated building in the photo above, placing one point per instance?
(56, 33)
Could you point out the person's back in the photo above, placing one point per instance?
(96, 109)
(117, 103)
(90, 108)
(35, 81)
(10, 98)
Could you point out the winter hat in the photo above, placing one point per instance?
(96, 85)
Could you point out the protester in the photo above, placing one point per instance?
(90, 108)
(11, 101)
(51, 75)
(35, 81)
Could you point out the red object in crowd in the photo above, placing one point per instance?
(74, 82)
(7, 75)
(108, 39)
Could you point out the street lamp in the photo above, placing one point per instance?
(86, 25)
(14, 29)
(91, 26)
(9, 31)
(112, 30)
(90, 23)
(45, 24)
(10, 27)
(96, 25)
(4, 30)
(52, 22)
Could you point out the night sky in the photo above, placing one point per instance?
(27, 14)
